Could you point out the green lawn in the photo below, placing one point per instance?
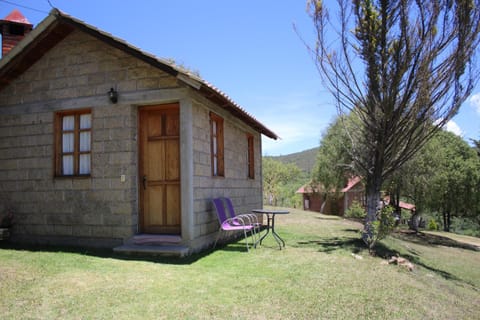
(318, 276)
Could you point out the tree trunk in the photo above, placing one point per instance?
(373, 187)
(395, 202)
(414, 221)
(446, 221)
(449, 216)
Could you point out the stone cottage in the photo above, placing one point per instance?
(103, 144)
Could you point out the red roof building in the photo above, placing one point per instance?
(315, 198)
(13, 29)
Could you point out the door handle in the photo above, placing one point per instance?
(144, 182)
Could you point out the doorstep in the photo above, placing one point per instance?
(158, 250)
(154, 244)
(155, 239)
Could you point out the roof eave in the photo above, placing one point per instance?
(227, 104)
(26, 42)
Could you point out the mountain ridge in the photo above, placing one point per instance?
(305, 159)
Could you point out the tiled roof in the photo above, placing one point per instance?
(16, 16)
(401, 204)
(308, 188)
(352, 182)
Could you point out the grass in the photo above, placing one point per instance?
(316, 277)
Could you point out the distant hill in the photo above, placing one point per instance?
(305, 160)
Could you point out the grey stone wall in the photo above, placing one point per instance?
(100, 210)
(246, 193)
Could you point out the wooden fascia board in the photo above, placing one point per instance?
(30, 50)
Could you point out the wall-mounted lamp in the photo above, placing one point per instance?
(113, 95)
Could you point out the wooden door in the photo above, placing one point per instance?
(159, 169)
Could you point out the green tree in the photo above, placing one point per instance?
(334, 163)
(444, 177)
(453, 185)
(403, 67)
(280, 182)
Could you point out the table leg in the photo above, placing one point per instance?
(275, 235)
(268, 230)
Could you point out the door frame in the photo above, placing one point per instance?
(140, 146)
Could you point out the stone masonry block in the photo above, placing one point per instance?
(96, 78)
(61, 230)
(85, 91)
(116, 122)
(126, 85)
(39, 229)
(82, 184)
(138, 73)
(114, 220)
(81, 231)
(101, 231)
(122, 209)
(120, 158)
(92, 219)
(121, 133)
(147, 83)
(123, 232)
(8, 164)
(167, 82)
(116, 76)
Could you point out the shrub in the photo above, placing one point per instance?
(356, 210)
(432, 225)
(380, 228)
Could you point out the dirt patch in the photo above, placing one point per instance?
(435, 239)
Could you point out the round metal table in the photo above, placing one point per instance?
(271, 213)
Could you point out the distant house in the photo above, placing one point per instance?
(316, 198)
(103, 144)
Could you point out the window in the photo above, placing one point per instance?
(73, 136)
(216, 134)
(250, 157)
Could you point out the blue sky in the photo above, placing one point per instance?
(248, 49)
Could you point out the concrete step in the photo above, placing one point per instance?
(160, 250)
(155, 239)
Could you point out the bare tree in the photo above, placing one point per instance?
(403, 67)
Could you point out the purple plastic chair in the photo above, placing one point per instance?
(230, 224)
(248, 218)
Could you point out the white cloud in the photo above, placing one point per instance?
(475, 102)
(453, 127)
